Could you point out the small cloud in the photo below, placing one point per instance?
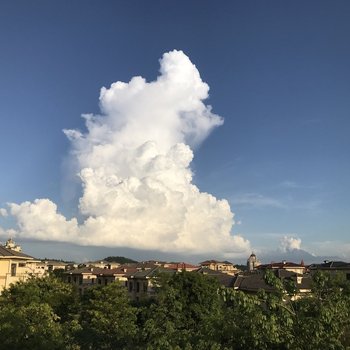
(311, 205)
(289, 184)
(5, 234)
(3, 212)
(288, 243)
(256, 200)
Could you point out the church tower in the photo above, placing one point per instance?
(252, 262)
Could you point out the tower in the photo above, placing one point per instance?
(252, 262)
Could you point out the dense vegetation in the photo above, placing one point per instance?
(120, 260)
(191, 311)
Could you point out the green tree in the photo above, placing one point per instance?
(60, 296)
(324, 317)
(184, 315)
(40, 313)
(33, 326)
(108, 320)
(254, 321)
(120, 260)
(275, 320)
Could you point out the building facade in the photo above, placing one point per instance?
(16, 266)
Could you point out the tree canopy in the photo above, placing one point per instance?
(189, 311)
(120, 260)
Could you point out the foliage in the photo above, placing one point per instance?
(189, 311)
(38, 314)
(324, 317)
(107, 318)
(119, 259)
(60, 296)
(33, 326)
(184, 314)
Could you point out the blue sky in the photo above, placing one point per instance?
(278, 74)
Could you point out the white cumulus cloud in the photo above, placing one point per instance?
(288, 243)
(134, 164)
(3, 212)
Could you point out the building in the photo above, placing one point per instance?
(103, 264)
(224, 279)
(284, 265)
(253, 282)
(52, 265)
(16, 266)
(223, 266)
(89, 276)
(332, 267)
(253, 262)
(180, 266)
(142, 284)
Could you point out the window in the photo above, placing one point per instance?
(69, 279)
(130, 287)
(80, 280)
(99, 281)
(145, 287)
(13, 269)
(137, 287)
(22, 265)
(106, 281)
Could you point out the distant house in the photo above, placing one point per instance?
(141, 283)
(253, 282)
(226, 280)
(180, 266)
(89, 276)
(332, 267)
(284, 265)
(16, 266)
(103, 264)
(223, 266)
(51, 265)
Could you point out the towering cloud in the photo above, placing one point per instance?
(134, 165)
